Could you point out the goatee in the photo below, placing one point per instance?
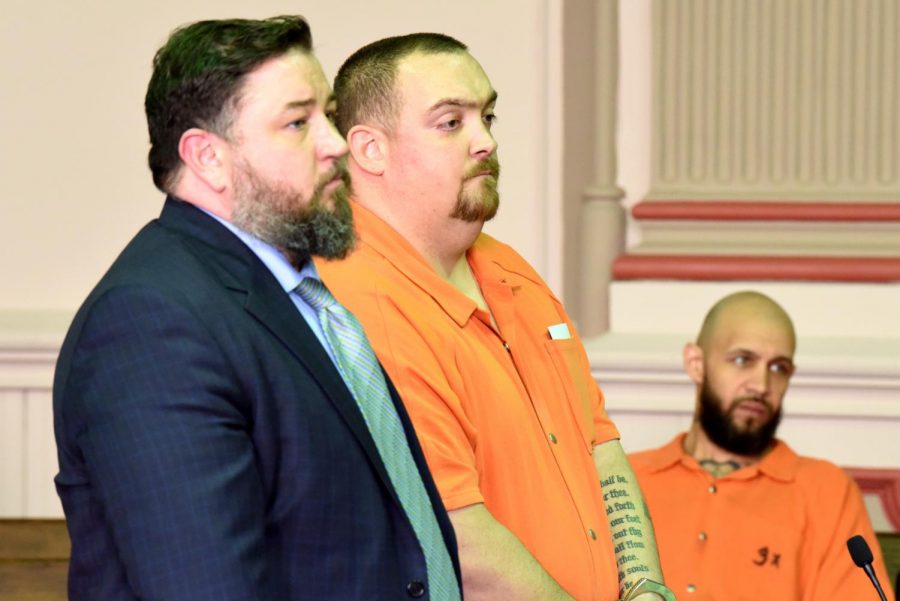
(482, 203)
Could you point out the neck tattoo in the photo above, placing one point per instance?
(719, 468)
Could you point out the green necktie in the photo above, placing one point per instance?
(361, 371)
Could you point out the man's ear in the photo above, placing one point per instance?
(205, 154)
(693, 362)
(368, 147)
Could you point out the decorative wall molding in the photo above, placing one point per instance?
(29, 343)
(759, 268)
(742, 210)
(643, 372)
(855, 323)
(698, 227)
(767, 99)
(775, 143)
(885, 484)
(768, 238)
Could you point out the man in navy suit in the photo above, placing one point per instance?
(209, 447)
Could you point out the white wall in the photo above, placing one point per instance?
(74, 185)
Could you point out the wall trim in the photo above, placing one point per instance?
(757, 268)
(733, 210)
(643, 373)
(885, 484)
(29, 345)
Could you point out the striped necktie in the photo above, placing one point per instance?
(361, 371)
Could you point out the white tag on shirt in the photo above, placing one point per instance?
(559, 331)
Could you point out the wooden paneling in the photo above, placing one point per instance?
(33, 560)
(34, 540)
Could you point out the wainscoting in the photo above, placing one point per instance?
(29, 344)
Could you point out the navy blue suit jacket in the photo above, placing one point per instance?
(208, 447)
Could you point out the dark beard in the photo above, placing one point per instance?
(482, 204)
(721, 429)
(280, 216)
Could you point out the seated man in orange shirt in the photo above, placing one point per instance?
(738, 514)
(539, 491)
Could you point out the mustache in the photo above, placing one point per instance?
(756, 399)
(490, 165)
(339, 169)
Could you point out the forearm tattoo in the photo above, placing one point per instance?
(627, 528)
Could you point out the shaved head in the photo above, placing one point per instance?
(741, 364)
(741, 308)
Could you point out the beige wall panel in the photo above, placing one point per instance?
(635, 104)
(852, 311)
(41, 500)
(12, 453)
(877, 514)
(792, 238)
(646, 430)
(774, 99)
(867, 443)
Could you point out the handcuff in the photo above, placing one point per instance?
(645, 585)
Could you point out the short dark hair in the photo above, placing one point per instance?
(364, 86)
(198, 76)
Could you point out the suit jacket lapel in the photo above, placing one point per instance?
(279, 315)
(241, 271)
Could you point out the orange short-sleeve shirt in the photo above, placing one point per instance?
(775, 530)
(508, 417)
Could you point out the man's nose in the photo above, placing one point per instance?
(330, 143)
(760, 380)
(483, 144)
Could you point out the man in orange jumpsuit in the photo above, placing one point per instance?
(738, 514)
(487, 362)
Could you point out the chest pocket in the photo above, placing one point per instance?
(572, 369)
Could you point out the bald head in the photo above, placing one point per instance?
(741, 365)
(745, 309)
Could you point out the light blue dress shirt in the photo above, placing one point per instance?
(286, 275)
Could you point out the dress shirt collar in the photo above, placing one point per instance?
(286, 274)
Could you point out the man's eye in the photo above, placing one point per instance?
(741, 361)
(489, 119)
(450, 124)
(297, 124)
(332, 116)
(780, 369)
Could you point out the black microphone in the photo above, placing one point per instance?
(862, 557)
